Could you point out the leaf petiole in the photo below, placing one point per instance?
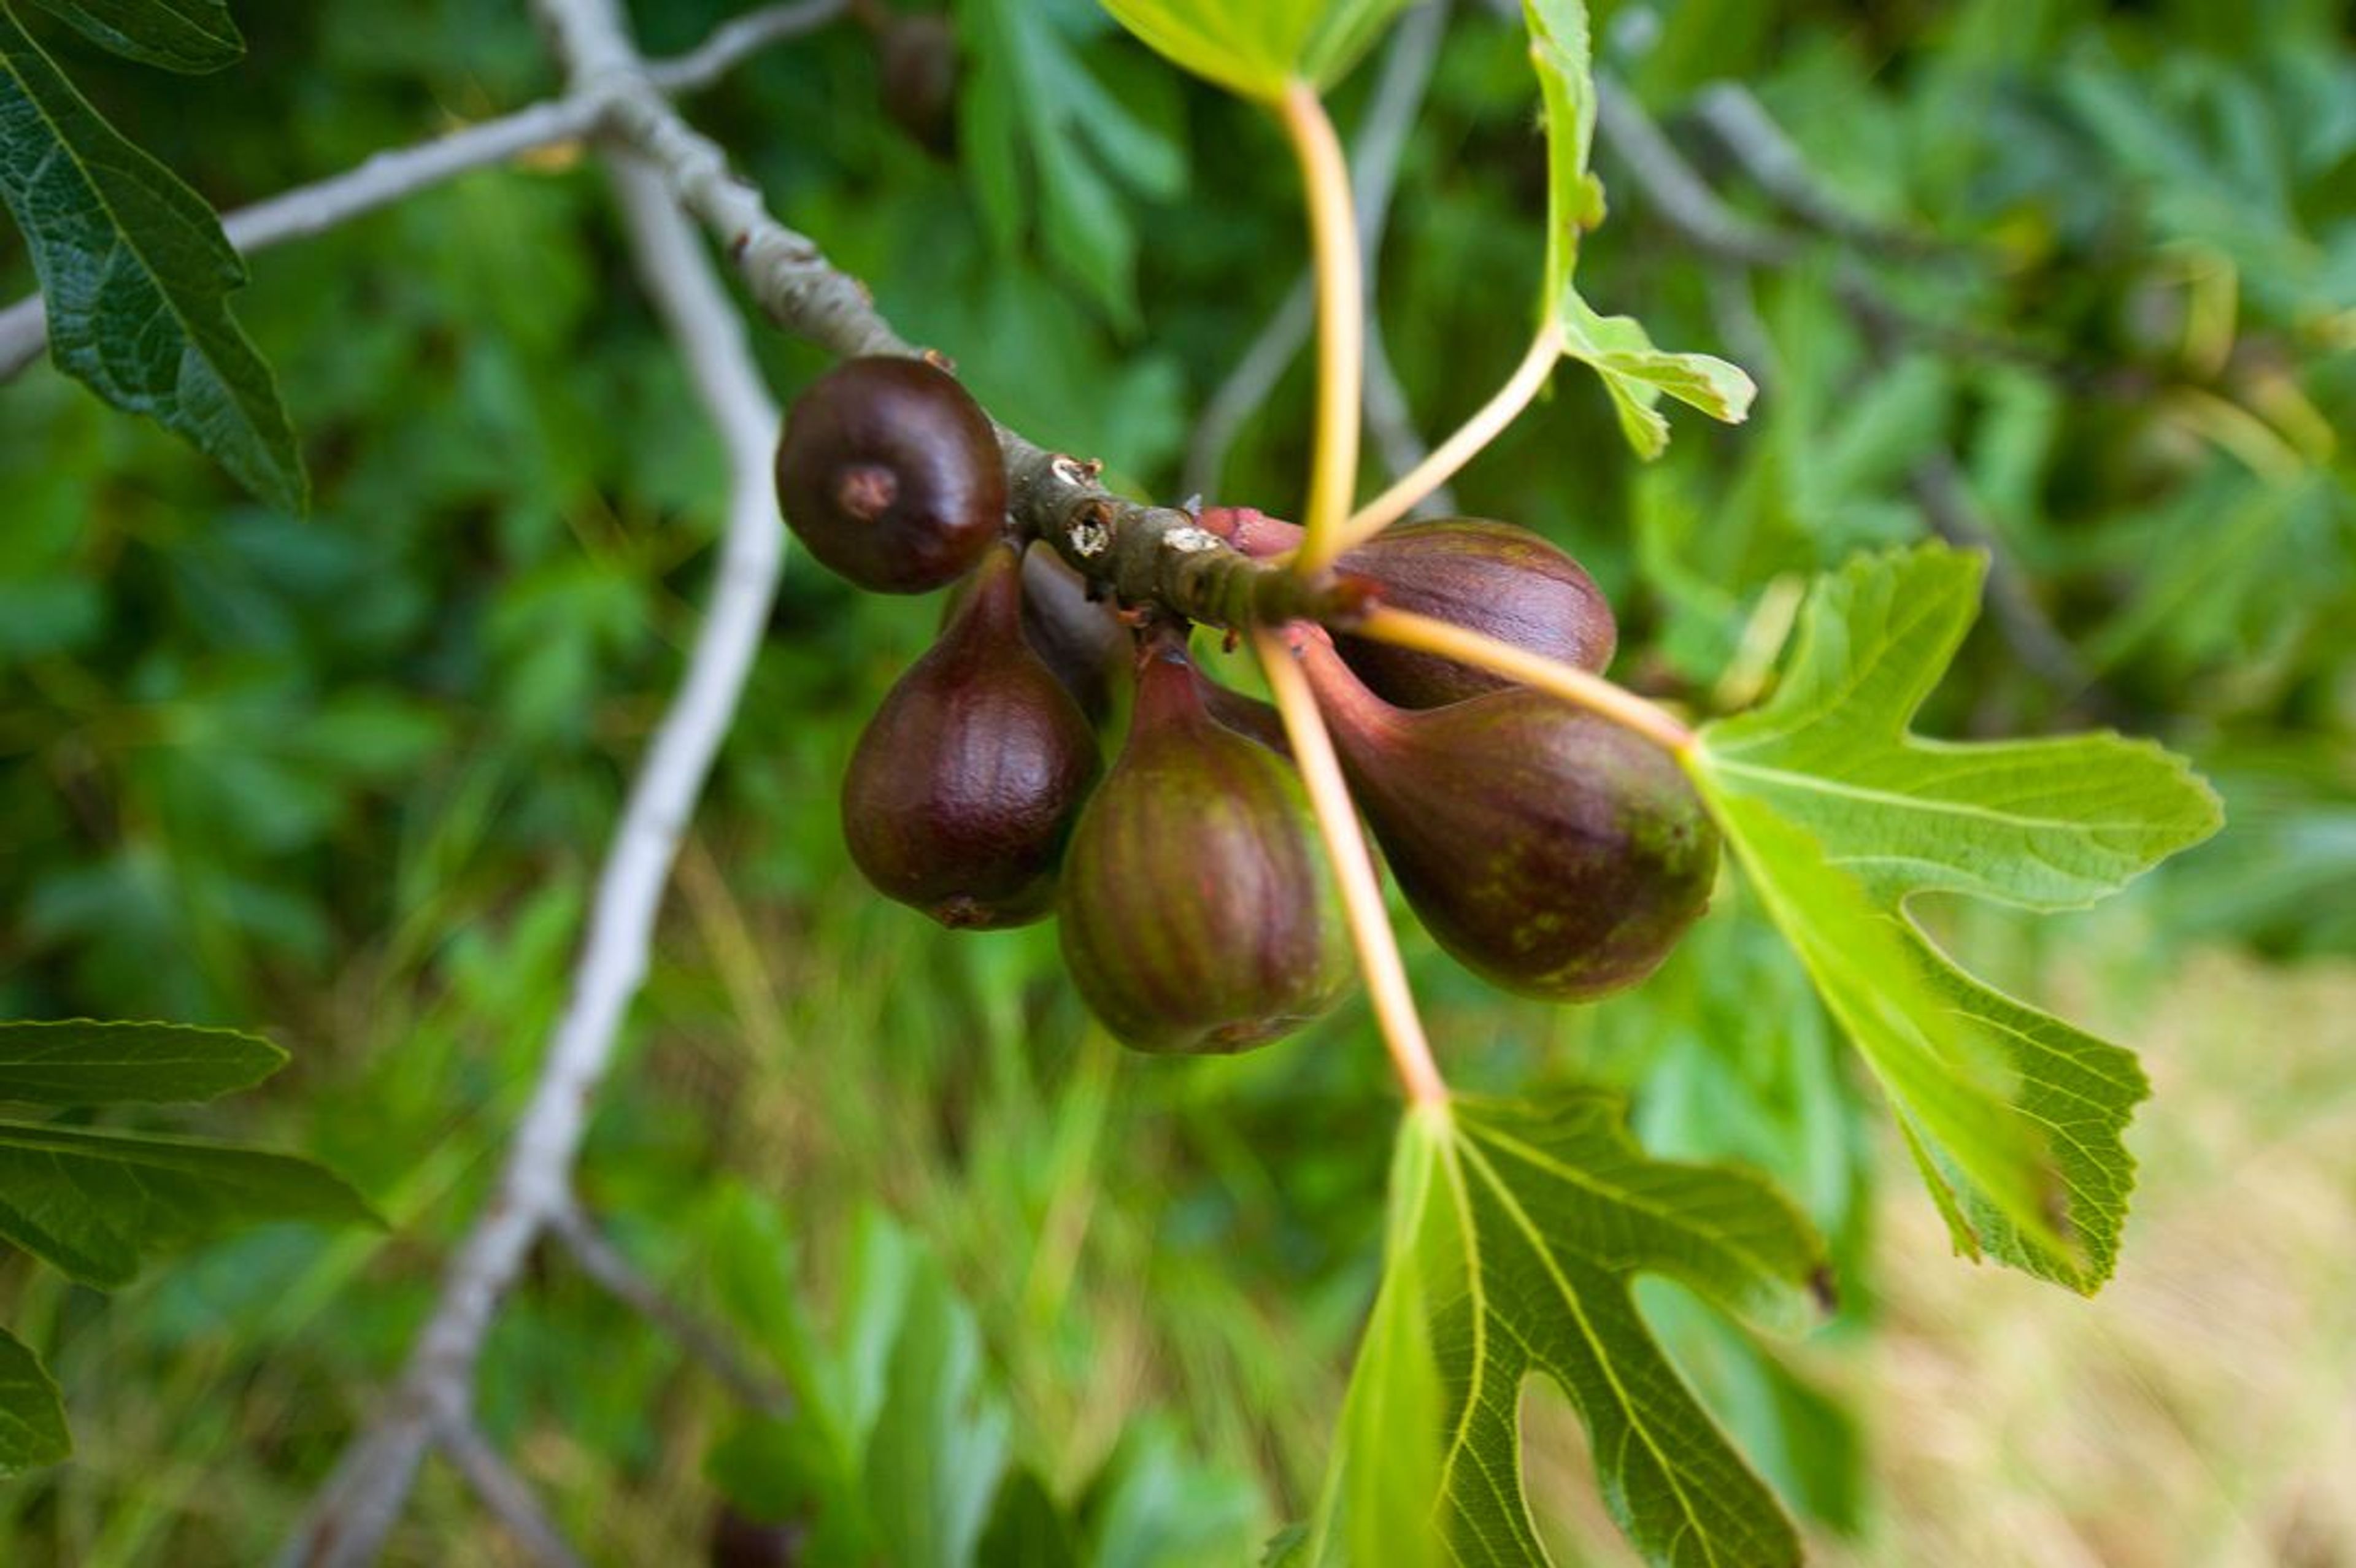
(1486, 425)
(1354, 868)
(1341, 322)
(1404, 628)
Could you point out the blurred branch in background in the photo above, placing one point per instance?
(389, 175)
(506, 1493)
(602, 1262)
(431, 1401)
(1374, 155)
(1685, 201)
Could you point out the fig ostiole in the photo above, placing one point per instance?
(1553, 853)
(1195, 910)
(964, 785)
(890, 473)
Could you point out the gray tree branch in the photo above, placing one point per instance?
(389, 177)
(604, 1262)
(350, 1519)
(506, 1493)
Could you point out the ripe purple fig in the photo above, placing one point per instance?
(1196, 911)
(1081, 639)
(964, 785)
(1548, 849)
(890, 473)
(1490, 577)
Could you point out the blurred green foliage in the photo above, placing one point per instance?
(346, 778)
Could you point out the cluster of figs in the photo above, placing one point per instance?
(1553, 852)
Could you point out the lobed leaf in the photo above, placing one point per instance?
(1616, 348)
(83, 1062)
(1522, 1224)
(135, 276)
(192, 35)
(94, 1203)
(32, 1417)
(1841, 816)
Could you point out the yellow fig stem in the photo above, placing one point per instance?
(1486, 425)
(1406, 629)
(1354, 868)
(1341, 324)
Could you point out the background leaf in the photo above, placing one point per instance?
(1841, 816)
(1256, 47)
(95, 1203)
(136, 275)
(32, 1418)
(82, 1062)
(1032, 103)
(178, 35)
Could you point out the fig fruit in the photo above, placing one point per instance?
(1548, 849)
(1081, 639)
(1488, 576)
(890, 474)
(965, 782)
(1196, 911)
(1491, 577)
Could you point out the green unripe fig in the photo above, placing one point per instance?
(890, 474)
(1553, 852)
(1196, 911)
(965, 782)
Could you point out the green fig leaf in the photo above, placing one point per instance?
(1616, 348)
(1841, 816)
(191, 36)
(94, 1203)
(1523, 1224)
(1376, 1505)
(83, 1062)
(135, 276)
(32, 1417)
(1258, 47)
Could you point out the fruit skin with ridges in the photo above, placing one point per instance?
(1550, 852)
(1490, 577)
(891, 475)
(1196, 911)
(965, 782)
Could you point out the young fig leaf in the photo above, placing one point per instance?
(1842, 816)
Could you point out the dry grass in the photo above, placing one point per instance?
(2202, 1411)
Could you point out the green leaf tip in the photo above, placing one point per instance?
(135, 277)
(32, 1417)
(1516, 1229)
(189, 36)
(1840, 815)
(84, 1061)
(95, 1202)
